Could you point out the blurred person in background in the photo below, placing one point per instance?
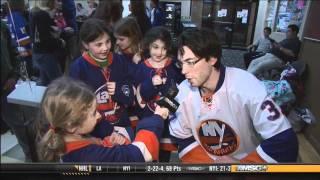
(47, 43)
(18, 118)
(17, 20)
(138, 11)
(157, 17)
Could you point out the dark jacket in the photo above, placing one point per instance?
(42, 33)
(159, 18)
(8, 56)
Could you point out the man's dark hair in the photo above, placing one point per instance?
(294, 28)
(202, 42)
(268, 29)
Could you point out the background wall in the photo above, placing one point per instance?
(310, 54)
(261, 16)
(261, 22)
(196, 12)
(185, 7)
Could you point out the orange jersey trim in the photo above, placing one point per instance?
(74, 145)
(197, 155)
(151, 142)
(148, 64)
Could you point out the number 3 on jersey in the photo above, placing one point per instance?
(274, 113)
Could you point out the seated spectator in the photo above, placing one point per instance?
(259, 48)
(281, 53)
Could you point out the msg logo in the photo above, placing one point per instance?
(251, 168)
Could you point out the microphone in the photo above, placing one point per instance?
(168, 100)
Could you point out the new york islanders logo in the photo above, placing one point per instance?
(217, 137)
(106, 106)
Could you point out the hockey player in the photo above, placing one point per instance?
(225, 115)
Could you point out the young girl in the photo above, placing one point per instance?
(156, 74)
(128, 35)
(68, 114)
(105, 72)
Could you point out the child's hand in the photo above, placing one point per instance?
(161, 111)
(136, 58)
(111, 87)
(117, 139)
(157, 80)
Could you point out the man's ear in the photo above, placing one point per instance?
(212, 61)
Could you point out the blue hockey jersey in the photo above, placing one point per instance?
(19, 33)
(147, 93)
(144, 148)
(112, 108)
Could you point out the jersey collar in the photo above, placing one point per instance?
(90, 60)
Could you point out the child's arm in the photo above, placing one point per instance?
(102, 129)
(123, 92)
(144, 148)
(147, 89)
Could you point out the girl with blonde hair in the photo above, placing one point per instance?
(70, 129)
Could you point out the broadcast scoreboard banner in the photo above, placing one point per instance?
(86, 169)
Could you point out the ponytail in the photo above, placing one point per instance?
(51, 146)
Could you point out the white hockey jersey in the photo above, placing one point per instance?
(239, 120)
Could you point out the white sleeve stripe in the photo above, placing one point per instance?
(144, 151)
(188, 148)
(122, 131)
(265, 156)
(167, 141)
(24, 38)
